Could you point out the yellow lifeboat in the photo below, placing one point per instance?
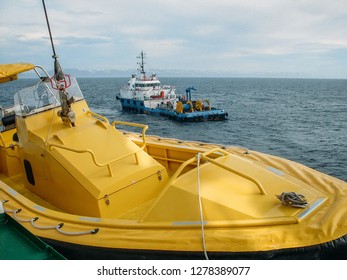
(92, 191)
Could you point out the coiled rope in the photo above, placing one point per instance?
(201, 211)
(293, 199)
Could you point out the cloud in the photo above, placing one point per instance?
(223, 34)
(73, 40)
(139, 31)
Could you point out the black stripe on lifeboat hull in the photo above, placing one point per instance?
(332, 250)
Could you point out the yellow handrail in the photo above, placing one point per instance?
(144, 128)
(108, 164)
(93, 156)
(255, 181)
(192, 160)
(204, 156)
(98, 116)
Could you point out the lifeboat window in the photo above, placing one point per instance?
(42, 97)
(29, 172)
(15, 137)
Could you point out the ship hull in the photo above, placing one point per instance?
(139, 107)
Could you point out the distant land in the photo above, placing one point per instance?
(180, 73)
(115, 73)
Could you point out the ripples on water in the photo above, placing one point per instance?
(300, 119)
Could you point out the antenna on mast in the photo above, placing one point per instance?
(142, 63)
(58, 72)
(61, 82)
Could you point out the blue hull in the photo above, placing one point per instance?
(137, 106)
(197, 116)
(132, 105)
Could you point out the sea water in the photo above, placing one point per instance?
(304, 120)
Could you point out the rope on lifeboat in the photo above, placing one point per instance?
(200, 207)
(293, 199)
(57, 227)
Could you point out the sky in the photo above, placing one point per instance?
(248, 38)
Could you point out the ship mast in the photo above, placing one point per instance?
(142, 64)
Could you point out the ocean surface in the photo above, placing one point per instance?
(304, 120)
